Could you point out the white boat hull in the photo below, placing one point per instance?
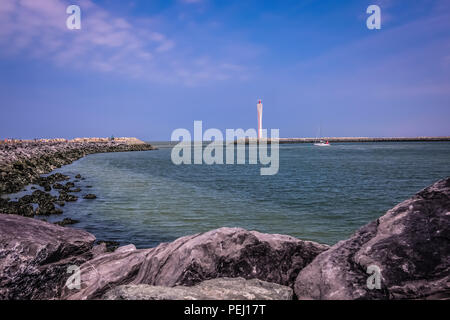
(322, 144)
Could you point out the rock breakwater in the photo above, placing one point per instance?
(24, 162)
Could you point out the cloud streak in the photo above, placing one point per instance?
(106, 43)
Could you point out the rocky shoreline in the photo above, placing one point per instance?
(24, 162)
(409, 246)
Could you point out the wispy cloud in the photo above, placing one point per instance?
(106, 43)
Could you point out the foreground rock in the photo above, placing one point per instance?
(228, 252)
(110, 246)
(216, 289)
(34, 256)
(410, 244)
(225, 252)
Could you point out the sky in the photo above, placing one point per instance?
(144, 68)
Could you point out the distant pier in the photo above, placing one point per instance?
(346, 139)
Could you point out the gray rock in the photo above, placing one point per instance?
(106, 271)
(111, 246)
(410, 244)
(69, 185)
(99, 249)
(23, 206)
(46, 209)
(228, 252)
(34, 256)
(64, 196)
(127, 248)
(58, 186)
(16, 207)
(225, 252)
(66, 221)
(216, 289)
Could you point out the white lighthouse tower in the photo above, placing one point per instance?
(259, 107)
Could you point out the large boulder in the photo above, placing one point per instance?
(215, 289)
(35, 255)
(106, 271)
(225, 252)
(228, 252)
(410, 245)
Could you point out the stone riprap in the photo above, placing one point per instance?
(23, 162)
(408, 249)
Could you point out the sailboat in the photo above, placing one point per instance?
(321, 142)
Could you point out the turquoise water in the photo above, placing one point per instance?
(320, 194)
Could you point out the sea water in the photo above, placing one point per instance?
(319, 194)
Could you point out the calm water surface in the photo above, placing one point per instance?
(320, 194)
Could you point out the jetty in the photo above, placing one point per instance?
(121, 140)
(22, 162)
(346, 139)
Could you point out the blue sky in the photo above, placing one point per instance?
(144, 68)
